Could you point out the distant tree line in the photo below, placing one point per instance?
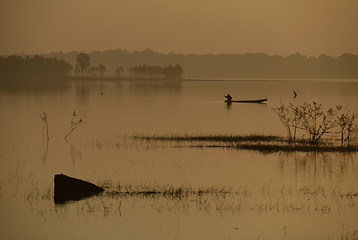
(249, 65)
(147, 65)
(36, 66)
(156, 72)
(83, 67)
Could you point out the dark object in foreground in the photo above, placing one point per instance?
(68, 188)
(247, 101)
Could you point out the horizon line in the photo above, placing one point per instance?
(149, 50)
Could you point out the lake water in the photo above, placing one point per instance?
(271, 195)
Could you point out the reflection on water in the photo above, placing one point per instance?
(82, 94)
(247, 210)
(228, 106)
(148, 87)
(321, 168)
(39, 85)
(279, 195)
(251, 191)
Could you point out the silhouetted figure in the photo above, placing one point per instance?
(295, 94)
(228, 98)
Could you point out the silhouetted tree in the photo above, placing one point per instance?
(347, 127)
(83, 61)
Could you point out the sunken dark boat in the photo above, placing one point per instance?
(73, 189)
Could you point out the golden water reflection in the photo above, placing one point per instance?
(272, 195)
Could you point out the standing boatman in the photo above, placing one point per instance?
(228, 98)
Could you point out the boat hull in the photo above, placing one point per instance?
(248, 101)
(73, 189)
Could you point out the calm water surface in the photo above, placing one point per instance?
(272, 195)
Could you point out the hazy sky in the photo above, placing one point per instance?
(311, 27)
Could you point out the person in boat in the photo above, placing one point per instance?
(294, 94)
(228, 98)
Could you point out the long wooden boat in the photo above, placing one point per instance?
(247, 101)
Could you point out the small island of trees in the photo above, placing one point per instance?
(83, 66)
(35, 67)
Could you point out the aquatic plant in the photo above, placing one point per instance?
(167, 191)
(213, 138)
(262, 199)
(289, 117)
(75, 122)
(347, 127)
(315, 121)
(263, 143)
(43, 116)
(348, 234)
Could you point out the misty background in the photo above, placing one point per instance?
(309, 27)
(209, 39)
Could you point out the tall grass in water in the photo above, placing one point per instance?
(259, 199)
(156, 190)
(349, 234)
(211, 138)
(43, 116)
(264, 143)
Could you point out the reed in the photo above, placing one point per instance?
(166, 191)
(43, 116)
(263, 143)
(75, 122)
(295, 148)
(210, 137)
(262, 199)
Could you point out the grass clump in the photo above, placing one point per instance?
(167, 191)
(210, 138)
(263, 143)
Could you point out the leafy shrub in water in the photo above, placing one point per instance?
(316, 122)
(347, 127)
